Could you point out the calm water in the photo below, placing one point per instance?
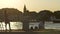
(14, 25)
(17, 25)
(52, 26)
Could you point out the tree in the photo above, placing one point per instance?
(44, 15)
(57, 14)
(10, 15)
(33, 16)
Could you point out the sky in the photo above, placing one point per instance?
(32, 5)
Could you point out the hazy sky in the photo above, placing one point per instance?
(32, 5)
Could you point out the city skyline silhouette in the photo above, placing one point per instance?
(8, 15)
(29, 16)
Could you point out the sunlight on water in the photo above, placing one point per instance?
(14, 25)
(2, 26)
(52, 25)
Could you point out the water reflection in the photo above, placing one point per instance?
(17, 25)
(14, 25)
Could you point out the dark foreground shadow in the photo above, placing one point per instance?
(29, 32)
(19, 33)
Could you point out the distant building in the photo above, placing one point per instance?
(30, 18)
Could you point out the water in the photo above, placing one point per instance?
(14, 25)
(17, 25)
(52, 26)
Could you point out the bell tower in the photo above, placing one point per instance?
(25, 19)
(24, 9)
